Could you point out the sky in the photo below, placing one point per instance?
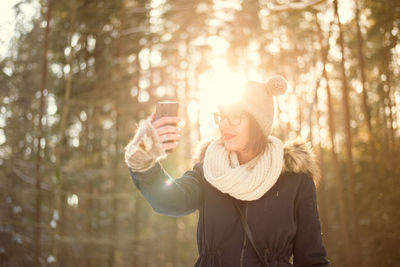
(8, 19)
(7, 22)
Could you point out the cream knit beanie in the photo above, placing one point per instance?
(257, 99)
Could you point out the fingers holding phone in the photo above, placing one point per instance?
(169, 135)
(165, 120)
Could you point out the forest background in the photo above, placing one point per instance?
(79, 75)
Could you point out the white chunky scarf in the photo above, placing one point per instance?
(248, 181)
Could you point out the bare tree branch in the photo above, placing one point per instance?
(293, 6)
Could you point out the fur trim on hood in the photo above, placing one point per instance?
(298, 155)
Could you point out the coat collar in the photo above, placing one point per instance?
(298, 155)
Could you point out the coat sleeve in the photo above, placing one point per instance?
(308, 248)
(168, 196)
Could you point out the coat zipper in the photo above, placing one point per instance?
(244, 238)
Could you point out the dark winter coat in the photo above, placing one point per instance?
(285, 221)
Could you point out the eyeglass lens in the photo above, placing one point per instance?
(233, 119)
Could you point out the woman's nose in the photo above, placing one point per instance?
(224, 122)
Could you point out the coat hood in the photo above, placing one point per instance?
(298, 155)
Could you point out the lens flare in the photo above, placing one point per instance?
(221, 86)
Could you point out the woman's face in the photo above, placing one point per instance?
(235, 137)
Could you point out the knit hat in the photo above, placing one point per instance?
(257, 99)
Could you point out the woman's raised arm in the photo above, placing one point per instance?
(168, 196)
(142, 155)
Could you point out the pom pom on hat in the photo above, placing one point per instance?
(276, 85)
(257, 99)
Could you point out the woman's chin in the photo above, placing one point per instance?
(230, 147)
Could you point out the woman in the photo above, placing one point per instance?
(244, 178)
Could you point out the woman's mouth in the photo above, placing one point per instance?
(228, 136)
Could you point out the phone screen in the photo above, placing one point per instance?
(166, 109)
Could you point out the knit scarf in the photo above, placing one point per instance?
(248, 181)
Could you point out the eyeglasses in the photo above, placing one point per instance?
(233, 119)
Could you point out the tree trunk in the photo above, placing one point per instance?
(324, 56)
(90, 205)
(350, 165)
(339, 179)
(367, 109)
(390, 104)
(59, 190)
(116, 186)
(384, 120)
(38, 178)
(335, 162)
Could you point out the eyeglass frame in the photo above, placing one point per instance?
(222, 117)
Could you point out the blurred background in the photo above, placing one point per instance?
(77, 76)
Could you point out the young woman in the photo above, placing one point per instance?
(256, 196)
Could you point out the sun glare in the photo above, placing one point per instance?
(220, 86)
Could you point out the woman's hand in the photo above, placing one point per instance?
(168, 134)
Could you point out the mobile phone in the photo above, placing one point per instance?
(167, 109)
